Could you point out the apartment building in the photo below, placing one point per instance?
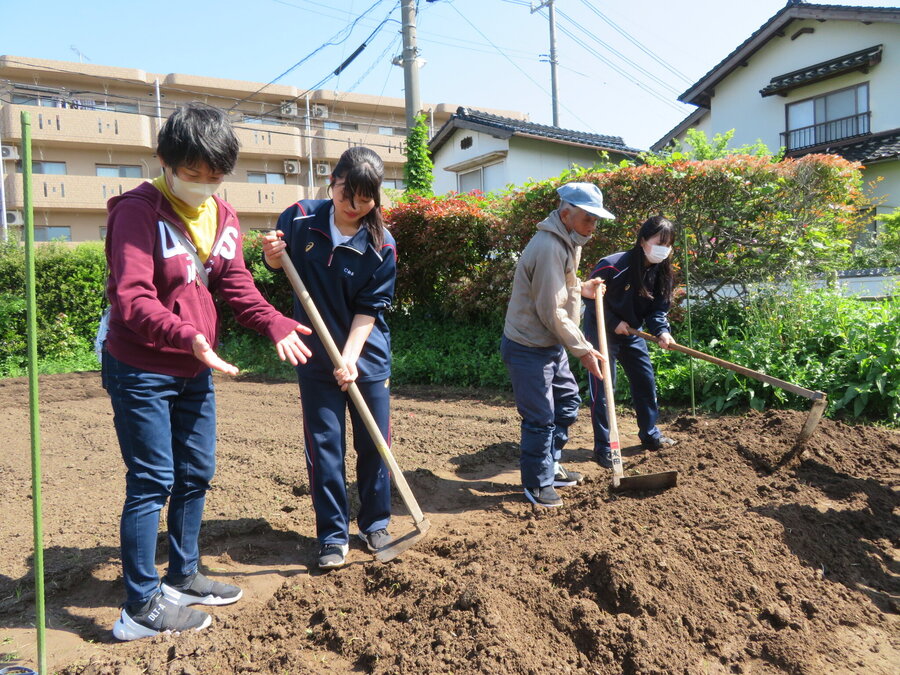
(94, 131)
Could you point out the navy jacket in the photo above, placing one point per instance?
(352, 278)
(622, 301)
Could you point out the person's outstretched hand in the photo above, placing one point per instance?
(205, 354)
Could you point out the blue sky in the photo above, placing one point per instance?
(623, 63)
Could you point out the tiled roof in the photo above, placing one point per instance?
(468, 117)
(700, 92)
(875, 148)
(843, 64)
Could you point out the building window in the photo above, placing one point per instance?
(119, 171)
(34, 99)
(465, 143)
(394, 183)
(103, 233)
(470, 181)
(53, 233)
(823, 119)
(52, 168)
(392, 131)
(340, 126)
(116, 106)
(268, 178)
(248, 119)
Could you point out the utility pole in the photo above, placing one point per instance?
(410, 63)
(554, 89)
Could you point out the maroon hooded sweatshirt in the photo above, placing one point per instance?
(158, 302)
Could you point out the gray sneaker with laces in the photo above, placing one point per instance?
(332, 556)
(545, 496)
(377, 540)
(200, 590)
(158, 615)
(563, 477)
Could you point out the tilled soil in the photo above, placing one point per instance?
(756, 562)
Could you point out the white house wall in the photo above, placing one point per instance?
(450, 154)
(533, 159)
(888, 189)
(738, 105)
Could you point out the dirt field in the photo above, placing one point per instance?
(736, 570)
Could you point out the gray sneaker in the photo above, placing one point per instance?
(377, 540)
(200, 590)
(332, 556)
(563, 477)
(545, 496)
(159, 615)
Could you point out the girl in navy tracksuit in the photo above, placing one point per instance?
(638, 292)
(347, 260)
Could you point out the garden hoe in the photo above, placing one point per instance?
(819, 399)
(620, 482)
(400, 544)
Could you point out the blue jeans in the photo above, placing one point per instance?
(547, 399)
(324, 429)
(167, 435)
(631, 352)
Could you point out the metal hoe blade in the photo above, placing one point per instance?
(650, 481)
(403, 543)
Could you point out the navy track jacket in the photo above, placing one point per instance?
(346, 280)
(622, 302)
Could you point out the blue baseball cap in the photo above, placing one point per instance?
(585, 196)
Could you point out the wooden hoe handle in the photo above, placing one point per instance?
(614, 445)
(337, 359)
(756, 375)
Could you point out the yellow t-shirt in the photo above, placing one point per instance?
(201, 223)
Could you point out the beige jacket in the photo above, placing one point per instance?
(545, 305)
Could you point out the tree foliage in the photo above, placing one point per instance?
(418, 170)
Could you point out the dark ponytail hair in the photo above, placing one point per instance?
(363, 171)
(664, 281)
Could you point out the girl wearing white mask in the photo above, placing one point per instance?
(638, 294)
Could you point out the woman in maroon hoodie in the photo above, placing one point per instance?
(171, 245)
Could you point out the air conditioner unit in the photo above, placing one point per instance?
(319, 110)
(9, 152)
(15, 218)
(291, 167)
(323, 169)
(289, 108)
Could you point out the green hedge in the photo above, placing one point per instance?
(747, 218)
(69, 293)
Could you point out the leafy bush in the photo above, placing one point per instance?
(69, 293)
(443, 244)
(816, 339)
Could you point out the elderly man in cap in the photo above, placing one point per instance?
(542, 322)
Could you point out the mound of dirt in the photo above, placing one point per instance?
(751, 564)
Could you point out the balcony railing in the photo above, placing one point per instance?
(827, 132)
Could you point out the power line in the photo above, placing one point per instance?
(318, 84)
(637, 67)
(618, 69)
(628, 36)
(533, 81)
(347, 30)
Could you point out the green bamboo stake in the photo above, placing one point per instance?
(31, 308)
(687, 298)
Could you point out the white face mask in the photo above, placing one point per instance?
(658, 253)
(578, 239)
(192, 194)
